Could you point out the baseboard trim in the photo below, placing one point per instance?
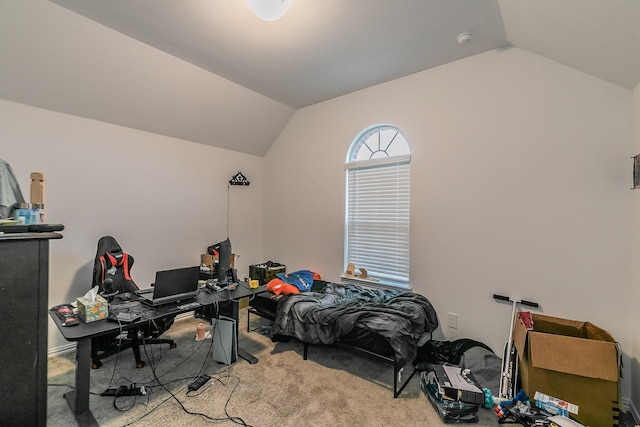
(634, 411)
(55, 351)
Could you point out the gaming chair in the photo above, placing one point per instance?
(112, 274)
(112, 263)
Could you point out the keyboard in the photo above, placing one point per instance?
(189, 305)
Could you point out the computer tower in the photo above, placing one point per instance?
(225, 346)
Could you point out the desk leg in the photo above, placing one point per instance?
(78, 399)
(235, 306)
(247, 356)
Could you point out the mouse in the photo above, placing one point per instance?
(125, 296)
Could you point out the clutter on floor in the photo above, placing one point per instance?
(566, 373)
(575, 361)
(451, 411)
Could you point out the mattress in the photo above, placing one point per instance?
(266, 305)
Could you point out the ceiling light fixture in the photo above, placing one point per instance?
(269, 10)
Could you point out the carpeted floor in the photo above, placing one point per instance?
(333, 388)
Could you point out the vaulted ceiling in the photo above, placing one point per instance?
(323, 49)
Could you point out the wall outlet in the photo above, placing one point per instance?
(452, 320)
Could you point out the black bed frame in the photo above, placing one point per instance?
(397, 385)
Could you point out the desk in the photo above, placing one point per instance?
(78, 398)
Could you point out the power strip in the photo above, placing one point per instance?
(109, 392)
(123, 390)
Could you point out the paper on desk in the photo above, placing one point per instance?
(91, 295)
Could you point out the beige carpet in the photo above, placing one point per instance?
(333, 388)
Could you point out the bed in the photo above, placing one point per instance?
(386, 324)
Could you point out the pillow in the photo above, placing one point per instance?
(279, 287)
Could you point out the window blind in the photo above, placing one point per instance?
(377, 220)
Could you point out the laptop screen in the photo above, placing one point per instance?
(176, 282)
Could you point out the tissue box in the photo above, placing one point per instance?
(91, 311)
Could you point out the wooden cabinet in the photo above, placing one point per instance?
(24, 289)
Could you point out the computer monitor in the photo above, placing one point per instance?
(223, 251)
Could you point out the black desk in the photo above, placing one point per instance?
(78, 398)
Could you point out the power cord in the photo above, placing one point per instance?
(172, 395)
(153, 365)
(137, 389)
(162, 385)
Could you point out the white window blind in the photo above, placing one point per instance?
(377, 218)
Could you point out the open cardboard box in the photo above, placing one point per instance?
(211, 260)
(571, 360)
(208, 260)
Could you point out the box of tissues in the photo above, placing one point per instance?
(92, 307)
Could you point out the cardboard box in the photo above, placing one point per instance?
(571, 360)
(208, 260)
(265, 274)
(211, 262)
(91, 311)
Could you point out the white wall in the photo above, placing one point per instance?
(165, 200)
(634, 320)
(59, 60)
(520, 186)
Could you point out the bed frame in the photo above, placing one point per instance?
(398, 385)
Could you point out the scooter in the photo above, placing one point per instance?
(509, 370)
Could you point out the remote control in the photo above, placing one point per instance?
(189, 305)
(198, 382)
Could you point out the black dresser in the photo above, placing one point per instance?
(24, 290)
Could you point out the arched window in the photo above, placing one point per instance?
(377, 205)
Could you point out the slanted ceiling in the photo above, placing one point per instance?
(106, 59)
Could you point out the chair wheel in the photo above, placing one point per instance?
(96, 365)
(173, 345)
(140, 364)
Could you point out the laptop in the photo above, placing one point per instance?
(177, 285)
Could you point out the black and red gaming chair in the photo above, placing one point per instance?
(112, 274)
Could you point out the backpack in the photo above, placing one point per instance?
(10, 193)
